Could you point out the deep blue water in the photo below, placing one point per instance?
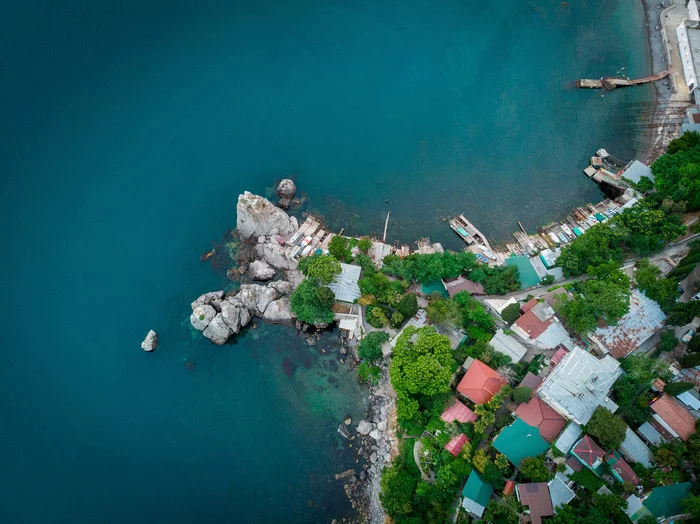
(128, 130)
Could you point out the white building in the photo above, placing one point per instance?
(579, 384)
(689, 49)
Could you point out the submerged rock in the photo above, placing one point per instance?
(260, 270)
(201, 316)
(150, 342)
(257, 216)
(286, 188)
(217, 331)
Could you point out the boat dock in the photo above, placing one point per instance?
(611, 83)
(475, 239)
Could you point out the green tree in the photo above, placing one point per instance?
(522, 394)
(325, 297)
(370, 347)
(511, 313)
(340, 249)
(377, 317)
(323, 268)
(396, 319)
(690, 361)
(305, 304)
(364, 244)
(535, 469)
(368, 373)
(668, 342)
(477, 275)
(407, 305)
(397, 486)
(547, 280)
(607, 428)
(613, 506)
(443, 312)
(691, 504)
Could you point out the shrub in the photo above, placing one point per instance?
(668, 342)
(547, 280)
(535, 469)
(396, 319)
(587, 479)
(340, 249)
(511, 313)
(325, 297)
(323, 268)
(364, 244)
(690, 361)
(376, 317)
(370, 347)
(368, 373)
(522, 394)
(408, 305)
(608, 429)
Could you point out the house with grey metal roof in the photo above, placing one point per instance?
(650, 434)
(641, 322)
(636, 170)
(345, 286)
(560, 492)
(579, 384)
(508, 346)
(635, 449)
(568, 437)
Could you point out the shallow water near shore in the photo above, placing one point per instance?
(128, 132)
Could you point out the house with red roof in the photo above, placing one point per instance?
(588, 453)
(455, 445)
(620, 469)
(538, 414)
(459, 412)
(671, 419)
(480, 383)
(540, 326)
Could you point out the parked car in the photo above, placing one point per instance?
(686, 338)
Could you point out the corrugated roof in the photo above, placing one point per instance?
(689, 399)
(531, 381)
(532, 325)
(675, 415)
(458, 284)
(477, 490)
(588, 451)
(635, 449)
(480, 383)
(579, 384)
(568, 437)
(508, 346)
(559, 355)
(665, 501)
(459, 412)
(455, 445)
(536, 497)
(559, 491)
(649, 432)
(519, 441)
(538, 414)
(345, 286)
(623, 471)
(636, 170)
(643, 320)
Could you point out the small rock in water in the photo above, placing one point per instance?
(348, 421)
(286, 189)
(150, 342)
(343, 350)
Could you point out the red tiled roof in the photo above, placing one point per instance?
(616, 462)
(531, 381)
(509, 488)
(459, 412)
(536, 496)
(588, 451)
(532, 325)
(527, 306)
(675, 415)
(480, 383)
(559, 355)
(538, 414)
(455, 445)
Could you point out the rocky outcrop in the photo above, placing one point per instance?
(231, 315)
(286, 188)
(258, 216)
(213, 297)
(150, 342)
(273, 254)
(282, 287)
(279, 312)
(260, 270)
(364, 427)
(217, 331)
(201, 316)
(245, 317)
(294, 277)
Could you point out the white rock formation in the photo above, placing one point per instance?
(231, 315)
(217, 331)
(364, 427)
(201, 316)
(279, 312)
(258, 216)
(273, 253)
(150, 342)
(260, 270)
(208, 298)
(286, 188)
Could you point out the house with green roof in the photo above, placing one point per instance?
(519, 441)
(477, 494)
(665, 501)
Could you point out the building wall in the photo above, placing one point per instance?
(686, 57)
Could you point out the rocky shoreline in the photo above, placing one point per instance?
(268, 279)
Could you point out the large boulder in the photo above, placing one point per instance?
(273, 253)
(217, 331)
(258, 216)
(245, 317)
(260, 270)
(201, 316)
(294, 277)
(281, 286)
(231, 315)
(364, 427)
(286, 188)
(212, 298)
(279, 312)
(254, 297)
(150, 342)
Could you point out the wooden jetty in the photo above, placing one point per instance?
(611, 83)
(472, 236)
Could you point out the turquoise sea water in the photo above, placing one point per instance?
(129, 129)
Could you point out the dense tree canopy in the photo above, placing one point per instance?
(535, 470)
(339, 247)
(608, 429)
(676, 388)
(511, 313)
(308, 306)
(422, 364)
(407, 305)
(677, 173)
(323, 268)
(370, 347)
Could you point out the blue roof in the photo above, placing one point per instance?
(665, 501)
(519, 441)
